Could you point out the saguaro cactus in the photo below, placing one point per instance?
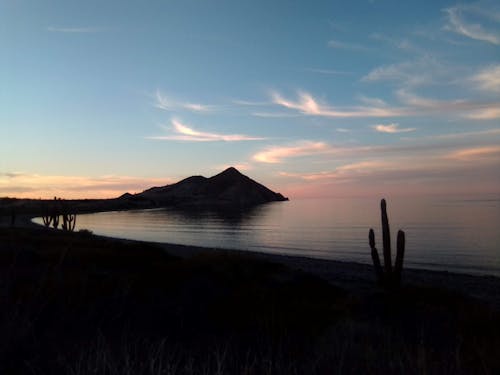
(47, 220)
(388, 276)
(69, 221)
(55, 213)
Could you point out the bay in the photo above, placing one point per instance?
(458, 235)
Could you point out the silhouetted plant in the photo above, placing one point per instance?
(52, 213)
(47, 217)
(55, 213)
(387, 276)
(69, 221)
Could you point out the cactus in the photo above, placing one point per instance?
(47, 220)
(69, 221)
(47, 216)
(55, 213)
(388, 276)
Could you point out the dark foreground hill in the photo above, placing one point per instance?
(75, 303)
(228, 189)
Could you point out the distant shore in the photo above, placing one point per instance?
(353, 276)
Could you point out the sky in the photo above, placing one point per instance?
(311, 98)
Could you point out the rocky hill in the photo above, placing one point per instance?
(228, 189)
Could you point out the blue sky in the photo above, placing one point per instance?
(311, 98)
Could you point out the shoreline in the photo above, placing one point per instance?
(353, 276)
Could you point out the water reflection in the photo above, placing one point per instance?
(442, 234)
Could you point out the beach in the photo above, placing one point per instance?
(80, 303)
(353, 276)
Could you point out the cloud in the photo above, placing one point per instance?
(249, 103)
(458, 22)
(374, 102)
(465, 108)
(485, 114)
(410, 99)
(12, 174)
(168, 104)
(188, 134)
(392, 128)
(26, 185)
(274, 114)
(475, 153)
(277, 154)
(341, 171)
(418, 72)
(466, 170)
(75, 30)
(308, 105)
(347, 46)
(399, 43)
(327, 71)
(488, 133)
(488, 79)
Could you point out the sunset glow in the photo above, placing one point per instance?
(323, 99)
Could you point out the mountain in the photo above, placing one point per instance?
(228, 189)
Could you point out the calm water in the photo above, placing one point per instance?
(446, 234)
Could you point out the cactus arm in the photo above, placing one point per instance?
(47, 220)
(386, 238)
(375, 258)
(55, 220)
(399, 256)
(71, 222)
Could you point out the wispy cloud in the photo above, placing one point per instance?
(488, 79)
(327, 71)
(488, 133)
(392, 128)
(274, 114)
(277, 154)
(347, 46)
(468, 109)
(185, 133)
(420, 102)
(75, 30)
(308, 105)
(459, 171)
(341, 171)
(485, 114)
(402, 44)
(249, 103)
(413, 73)
(475, 153)
(167, 103)
(457, 22)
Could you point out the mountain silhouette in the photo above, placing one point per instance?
(228, 189)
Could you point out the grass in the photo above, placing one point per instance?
(74, 303)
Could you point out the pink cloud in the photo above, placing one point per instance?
(277, 154)
(186, 133)
(308, 105)
(392, 128)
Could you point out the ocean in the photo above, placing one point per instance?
(457, 235)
